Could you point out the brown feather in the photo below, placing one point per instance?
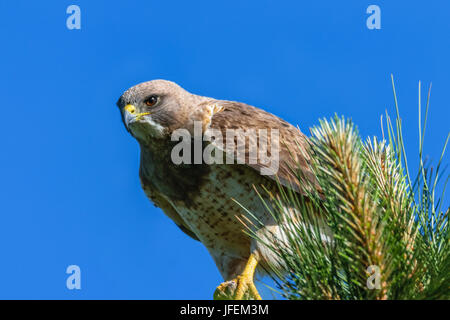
(293, 148)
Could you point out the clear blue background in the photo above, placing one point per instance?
(69, 190)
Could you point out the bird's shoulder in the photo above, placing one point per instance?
(293, 146)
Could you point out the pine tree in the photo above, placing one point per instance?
(390, 232)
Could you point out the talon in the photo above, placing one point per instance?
(225, 291)
(237, 288)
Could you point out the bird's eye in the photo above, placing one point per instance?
(151, 101)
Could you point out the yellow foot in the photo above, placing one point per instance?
(242, 287)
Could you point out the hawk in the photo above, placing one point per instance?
(206, 200)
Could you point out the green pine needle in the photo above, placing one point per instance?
(377, 214)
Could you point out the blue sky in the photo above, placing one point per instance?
(70, 192)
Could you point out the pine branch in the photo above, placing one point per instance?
(369, 216)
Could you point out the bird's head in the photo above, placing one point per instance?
(151, 110)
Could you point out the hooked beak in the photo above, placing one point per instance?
(131, 115)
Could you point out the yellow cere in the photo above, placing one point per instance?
(132, 109)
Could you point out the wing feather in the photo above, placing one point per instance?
(159, 201)
(293, 144)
